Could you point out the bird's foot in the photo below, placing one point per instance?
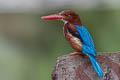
(74, 53)
(78, 53)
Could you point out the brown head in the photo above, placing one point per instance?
(66, 16)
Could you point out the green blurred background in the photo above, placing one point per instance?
(30, 46)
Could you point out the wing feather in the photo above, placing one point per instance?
(88, 44)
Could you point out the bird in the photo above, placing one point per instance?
(78, 36)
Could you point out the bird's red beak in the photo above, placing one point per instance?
(52, 17)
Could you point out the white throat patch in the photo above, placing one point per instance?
(64, 21)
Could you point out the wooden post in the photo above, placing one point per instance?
(79, 67)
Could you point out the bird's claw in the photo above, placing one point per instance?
(74, 53)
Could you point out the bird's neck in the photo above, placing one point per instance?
(69, 25)
(73, 23)
(66, 24)
(65, 30)
(76, 22)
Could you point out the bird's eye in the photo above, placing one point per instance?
(65, 15)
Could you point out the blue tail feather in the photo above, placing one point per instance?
(96, 65)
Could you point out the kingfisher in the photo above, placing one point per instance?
(78, 36)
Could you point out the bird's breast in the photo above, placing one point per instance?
(74, 42)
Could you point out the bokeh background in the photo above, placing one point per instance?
(30, 46)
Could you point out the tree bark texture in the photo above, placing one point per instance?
(79, 67)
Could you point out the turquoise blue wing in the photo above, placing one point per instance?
(87, 41)
(89, 48)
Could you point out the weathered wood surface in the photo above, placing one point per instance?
(77, 67)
